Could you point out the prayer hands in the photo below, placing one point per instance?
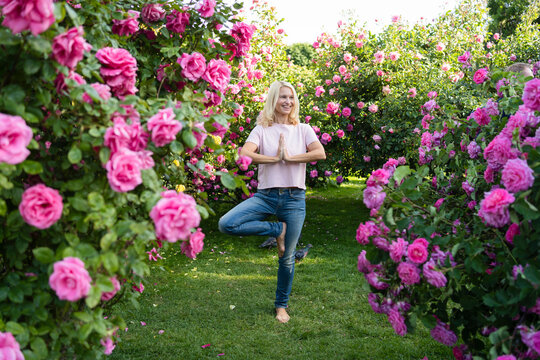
(282, 149)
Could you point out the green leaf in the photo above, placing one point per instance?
(39, 347)
(107, 240)
(202, 210)
(189, 139)
(44, 255)
(40, 44)
(32, 167)
(228, 180)
(110, 261)
(401, 172)
(389, 217)
(177, 147)
(31, 66)
(79, 204)
(532, 274)
(104, 284)
(3, 207)
(14, 328)
(83, 316)
(93, 297)
(104, 154)
(86, 329)
(16, 295)
(74, 155)
(96, 201)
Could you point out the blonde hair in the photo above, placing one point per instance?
(268, 114)
(522, 68)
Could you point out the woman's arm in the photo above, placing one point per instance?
(250, 149)
(315, 152)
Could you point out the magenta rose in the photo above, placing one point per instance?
(243, 162)
(374, 197)
(126, 27)
(397, 321)
(512, 231)
(174, 215)
(313, 173)
(124, 170)
(164, 127)
(34, 15)
(408, 273)
(70, 280)
(332, 108)
(121, 135)
(218, 74)
(9, 347)
(108, 295)
(363, 265)
(207, 8)
(193, 66)
(494, 207)
(68, 48)
(374, 279)
(365, 231)
(152, 12)
(531, 94)
(397, 249)
(346, 111)
(442, 333)
(433, 277)
(15, 136)
(177, 21)
(104, 92)
(119, 70)
(417, 252)
(108, 345)
(480, 75)
(498, 152)
(41, 206)
(200, 134)
(481, 116)
(60, 81)
(506, 357)
(242, 33)
(195, 244)
(378, 177)
(517, 175)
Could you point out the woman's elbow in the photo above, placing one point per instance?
(322, 155)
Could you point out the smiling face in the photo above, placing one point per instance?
(285, 103)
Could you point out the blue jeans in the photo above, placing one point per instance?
(247, 218)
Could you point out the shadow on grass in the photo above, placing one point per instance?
(225, 298)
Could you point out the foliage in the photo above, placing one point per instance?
(506, 16)
(74, 152)
(301, 54)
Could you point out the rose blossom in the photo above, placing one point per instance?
(9, 347)
(417, 251)
(34, 15)
(177, 21)
(195, 244)
(397, 249)
(332, 108)
(517, 175)
(119, 70)
(243, 162)
(41, 206)
(104, 92)
(68, 48)
(531, 94)
(512, 231)
(378, 177)
(433, 277)
(126, 27)
(373, 108)
(480, 75)
(373, 279)
(408, 273)
(363, 265)
(494, 207)
(481, 116)
(313, 173)
(374, 196)
(506, 357)
(242, 33)
(397, 321)
(346, 112)
(15, 136)
(108, 345)
(60, 81)
(108, 295)
(218, 74)
(360, 104)
(340, 133)
(365, 231)
(207, 8)
(174, 215)
(498, 152)
(124, 170)
(442, 333)
(70, 280)
(164, 127)
(193, 66)
(152, 12)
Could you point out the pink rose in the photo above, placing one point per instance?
(9, 347)
(70, 280)
(34, 15)
(394, 55)
(433, 277)
(242, 33)
(108, 345)
(119, 70)
(193, 66)
(126, 27)
(442, 333)
(517, 175)
(481, 116)
(207, 8)
(379, 57)
(512, 231)
(531, 94)
(332, 108)
(177, 21)
(408, 273)
(494, 207)
(218, 74)
(397, 321)
(195, 244)
(360, 105)
(174, 215)
(104, 92)
(363, 265)
(121, 135)
(374, 196)
(124, 170)
(373, 108)
(438, 203)
(243, 162)
(60, 81)
(417, 252)
(319, 90)
(498, 152)
(346, 112)
(108, 295)
(152, 12)
(378, 177)
(340, 133)
(506, 357)
(365, 231)
(397, 249)
(480, 75)
(313, 173)
(68, 48)
(15, 136)
(41, 206)
(200, 134)
(164, 127)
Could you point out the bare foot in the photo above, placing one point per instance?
(281, 241)
(282, 316)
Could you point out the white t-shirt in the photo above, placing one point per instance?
(282, 174)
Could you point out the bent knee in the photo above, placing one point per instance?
(225, 226)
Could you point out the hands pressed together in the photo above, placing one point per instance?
(282, 153)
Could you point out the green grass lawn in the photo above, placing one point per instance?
(225, 298)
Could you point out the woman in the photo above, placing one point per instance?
(281, 146)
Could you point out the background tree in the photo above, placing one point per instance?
(302, 54)
(506, 15)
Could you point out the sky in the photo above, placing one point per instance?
(306, 19)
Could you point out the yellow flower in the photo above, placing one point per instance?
(180, 187)
(176, 162)
(217, 139)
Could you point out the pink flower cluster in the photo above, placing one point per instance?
(34, 15)
(70, 280)
(177, 21)
(174, 215)
(494, 207)
(126, 27)
(242, 33)
(41, 206)
(9, 347)
(152, 13)
(164, 127)
(243, 162)
(15, 136)
(193, 66)
(207, 8)
(68, 48)
(194, 245)
(119, 70)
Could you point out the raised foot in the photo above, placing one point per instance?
(282, 316)
(281, 241)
